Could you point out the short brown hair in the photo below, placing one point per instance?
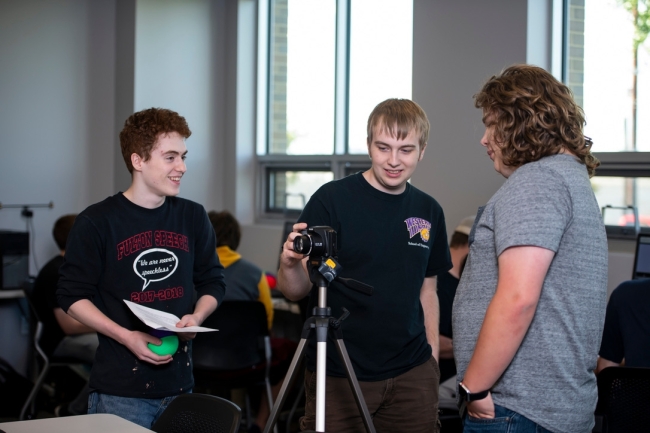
(62, 228)
(226, 228)
(399, 117)
(142, 130)
(458, 240)
(534, 115)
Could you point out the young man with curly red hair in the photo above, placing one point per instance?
(528, 313)
(147, 246)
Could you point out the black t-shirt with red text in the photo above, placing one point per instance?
(157, 258)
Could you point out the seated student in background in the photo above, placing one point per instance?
(62, 336)
(247, 282)
(447, 284)
(244, 280)
(626, 337)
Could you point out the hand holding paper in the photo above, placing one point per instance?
(161, 320)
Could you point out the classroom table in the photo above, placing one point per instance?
(95, 423)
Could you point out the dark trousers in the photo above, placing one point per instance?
(406, 403)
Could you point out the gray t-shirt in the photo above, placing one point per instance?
(550, 204)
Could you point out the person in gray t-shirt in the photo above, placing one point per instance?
(529, 311)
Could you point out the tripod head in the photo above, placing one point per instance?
(320, 243)
(324, 270)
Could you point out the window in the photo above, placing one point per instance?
(609, 74)
(289, 189)
(325, 64)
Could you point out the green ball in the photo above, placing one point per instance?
(169, 346)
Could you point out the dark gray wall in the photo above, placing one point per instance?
(456, 47)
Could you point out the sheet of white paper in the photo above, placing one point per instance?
(161, 320)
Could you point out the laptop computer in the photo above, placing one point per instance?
(642, 257)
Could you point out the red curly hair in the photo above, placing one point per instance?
(142, 130)
(534, 115)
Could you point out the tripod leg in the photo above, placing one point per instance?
(288, 382)
(321, 373)
(354, 385)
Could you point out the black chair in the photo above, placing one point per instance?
(623, 400)
(199, 413)
(236, 356)
(47, 361)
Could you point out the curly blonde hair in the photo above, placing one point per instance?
(534, 115)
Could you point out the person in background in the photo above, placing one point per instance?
(147, 246)
(530, 307)
(626, 336)
(247, 282)
(62, 336)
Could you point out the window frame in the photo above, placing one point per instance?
(623, 164)
(340, 162)
(612, 164)
(339, 165)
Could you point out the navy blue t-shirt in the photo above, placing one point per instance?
(627, 325)
(391, 242)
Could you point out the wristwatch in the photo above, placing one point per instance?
(466, 395)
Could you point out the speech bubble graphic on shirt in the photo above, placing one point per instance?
(155, 264)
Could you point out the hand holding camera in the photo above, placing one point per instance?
(319, 241)
(288, 257)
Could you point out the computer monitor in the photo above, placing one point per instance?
(14, 254)
(642, 257)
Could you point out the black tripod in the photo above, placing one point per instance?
(322, 271)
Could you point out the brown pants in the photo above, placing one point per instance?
(406, 403)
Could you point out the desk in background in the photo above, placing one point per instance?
(95, 423)
(15, 339)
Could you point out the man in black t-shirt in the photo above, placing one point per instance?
(626, 336)
(149, 247)
(391, 236)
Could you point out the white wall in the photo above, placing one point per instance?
(175, 68)
(56, 110)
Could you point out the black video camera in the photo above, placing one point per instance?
(318, 241)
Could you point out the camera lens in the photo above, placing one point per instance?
(302, 244)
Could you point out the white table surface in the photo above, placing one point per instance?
(94, 423)
(12, 294)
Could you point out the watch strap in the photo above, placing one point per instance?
(467, 395)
